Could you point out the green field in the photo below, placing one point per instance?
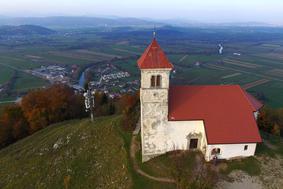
(25, 82)
(259, 59)
(273, 92)
(5, 74)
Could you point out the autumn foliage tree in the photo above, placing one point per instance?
(102, 104)
(42, 107)
(39, 109)
(271, 120)
(46, 106)
(13, 125)
(130, 108)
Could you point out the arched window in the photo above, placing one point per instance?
(152, 81)
(215, 151)
(158, 81)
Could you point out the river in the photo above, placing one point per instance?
(82, 79)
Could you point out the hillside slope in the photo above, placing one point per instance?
(74, 154)
(24, 30)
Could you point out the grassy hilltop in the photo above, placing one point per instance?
(73, 154)
(82, 154)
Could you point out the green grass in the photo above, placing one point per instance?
(249, 165)
(5, 74)
(241, 79)
(25, 82)
(17, 62)
(56, 59)
(273, 92)
(130, 66)
(275, 141)
(139, 182)
(164, 165)
(157, 166)
(89, 155)
(262, 149)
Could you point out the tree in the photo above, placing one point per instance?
(5, 135)
(265, 119)
(271, 120)
(35, 107)
(275, 130)
(130, 108)
(46, 106)
(14, 125)
(39, 109)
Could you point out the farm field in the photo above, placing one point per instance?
(254, 64)
(5, 74)
(25, 82)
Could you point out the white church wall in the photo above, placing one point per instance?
(178, 131)
(256, 114)
(230, 151)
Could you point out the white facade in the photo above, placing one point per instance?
(159, 135)
(231, 151)
(180, 133)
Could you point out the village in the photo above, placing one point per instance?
(52, 73)
(105, 77)
(111, 80)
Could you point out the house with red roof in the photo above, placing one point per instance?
(218, 120)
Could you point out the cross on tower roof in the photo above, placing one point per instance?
(154, 32)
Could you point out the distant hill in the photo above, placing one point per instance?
(76, 22)
(107, 21)
(9, 30)
(74, 154)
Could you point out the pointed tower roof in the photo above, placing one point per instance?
(154, 58)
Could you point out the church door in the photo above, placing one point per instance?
(193, 143)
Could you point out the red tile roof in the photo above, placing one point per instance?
(254, 102)
(227, 112)
(154, 58)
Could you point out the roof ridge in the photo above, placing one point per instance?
(247, 99)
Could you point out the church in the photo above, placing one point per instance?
(217, 120)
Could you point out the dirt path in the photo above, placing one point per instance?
(183, 58)
(134, 148)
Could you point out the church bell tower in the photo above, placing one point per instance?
(155, 75)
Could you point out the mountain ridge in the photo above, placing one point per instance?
(9, 30)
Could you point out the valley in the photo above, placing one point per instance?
(251, 59)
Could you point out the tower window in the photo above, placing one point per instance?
(152, 81)
(158, 81)
(155, 81)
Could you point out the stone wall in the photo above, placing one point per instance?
(154, 113)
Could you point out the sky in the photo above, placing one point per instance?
(267, 11)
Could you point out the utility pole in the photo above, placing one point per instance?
(89, 102)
